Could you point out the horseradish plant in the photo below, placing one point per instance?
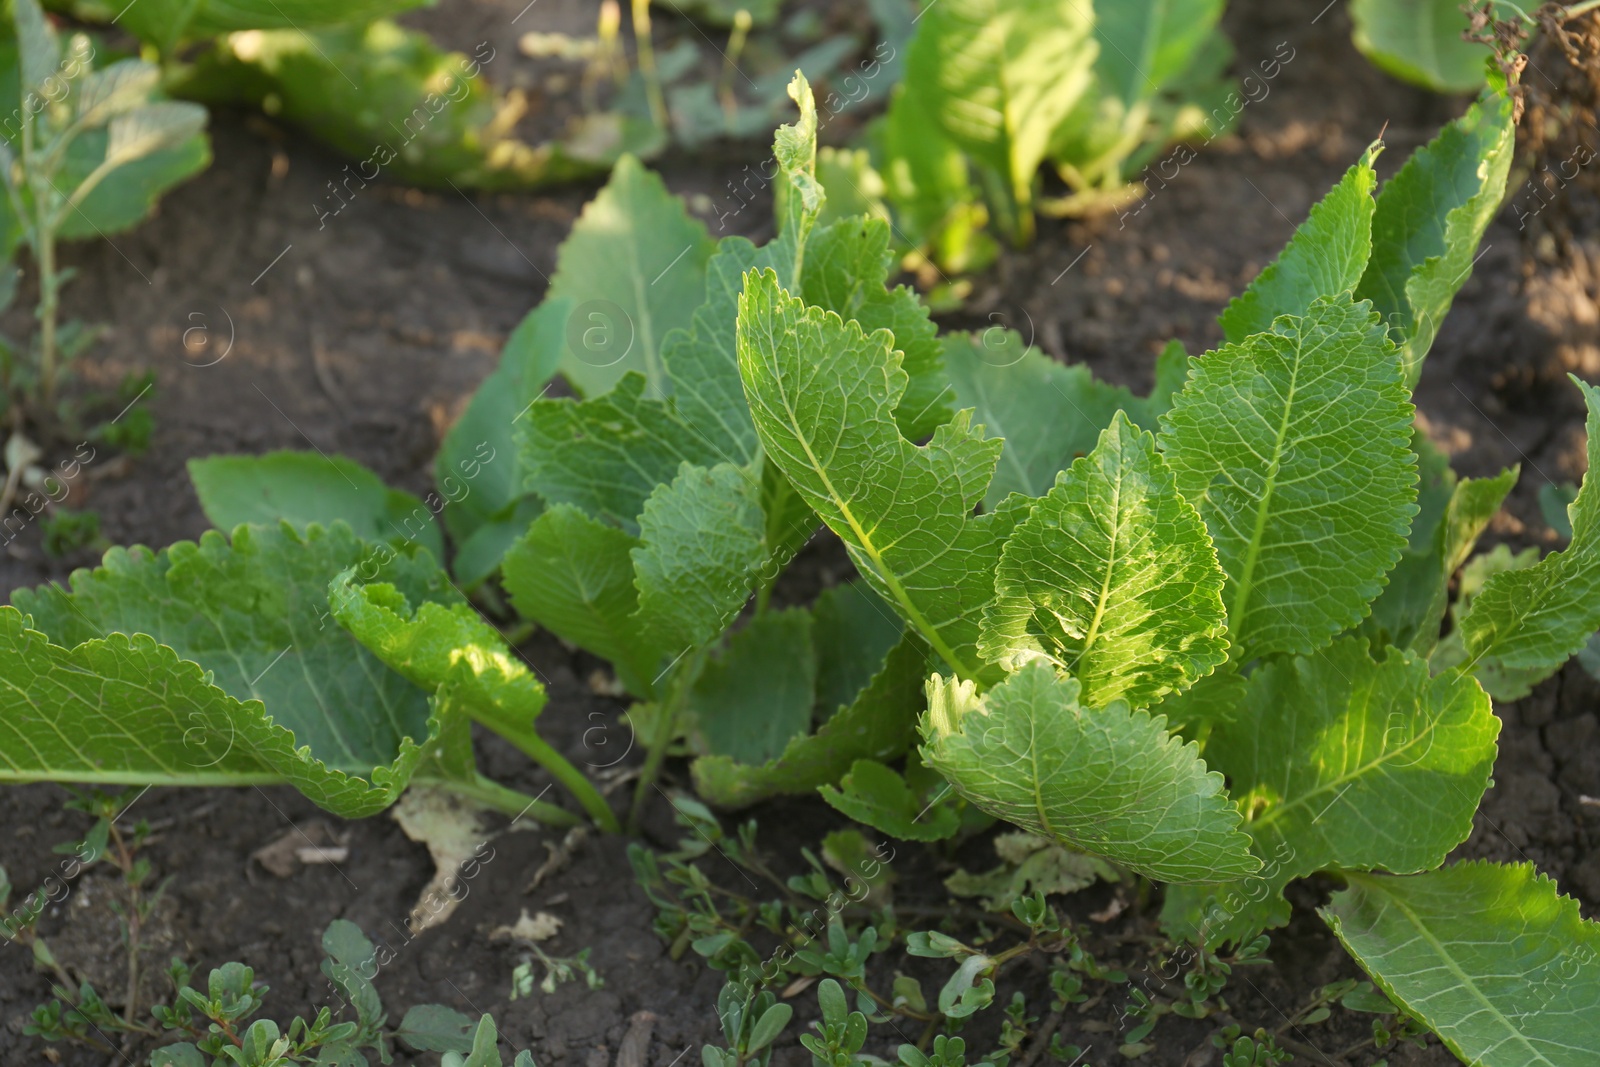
(85, 150)
(994, 89)
(321, 644)
(1210, 653)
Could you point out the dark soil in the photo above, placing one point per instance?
(367, 336)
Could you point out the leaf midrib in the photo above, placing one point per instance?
(920, 621)
(1241, 598)
(1093, 631)
(1461, 976)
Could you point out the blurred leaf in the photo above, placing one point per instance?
(307, 487)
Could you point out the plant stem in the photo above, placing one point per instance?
(49, 303)
(647, 63)
(577, 783)
(666, 724)
(493, 795)
(124, 864)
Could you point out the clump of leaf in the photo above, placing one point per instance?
(995, 88)
(638, 520)
(279, 655)
(1187, 657)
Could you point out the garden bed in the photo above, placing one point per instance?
(365, 335)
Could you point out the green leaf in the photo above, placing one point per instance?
(854, 631)
(1419, 41)
(877, 725)
(38, 47)
(301, 488)
(998, 77)
(847, 272)
(874, 795)
(1498, 680)
(1110, 782)
(1340, 762)
(635, 269)
(1428, 221)
(769, 1026)
(1534, 619)
(1032, 864)
(1325, 257)
(1292, 446)
(398, 105)
(210, 663)
(436, 1028)
(703, 361)
(426, 631)
(479, 467)
(1048, 414)
(1491, 957)
(1111, 578)
(167, 20)
(182, 1054)
(351, 964)
(128, 193)
(1146, 43)
(607, 455)
(151, 128)
(123, 196)
(1412, 606)
(926, 177)
(752, 701)
(574, 576)
(700, 548)
(822, 394)
(485, 1050)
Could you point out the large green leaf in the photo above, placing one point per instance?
(878, 724)
(1048, 414)
(700, 549)
(1146, 43)
(1412, 606)
(998, 76)
(607, 455)
(1420, 42)
(1340, 762)
(234, 662)
(1325, 257)
(400, 106)
(574, 576)
(854, 631)
(847, 271)
(301, 488)
(1490, 956)
(1532, 619)
(1107, 781)
(1112, 578)
(823, 396)
(1429, 219)
(479, 468)
(753, 700)
(1292, 446)
(635, 269)
(926, 177)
